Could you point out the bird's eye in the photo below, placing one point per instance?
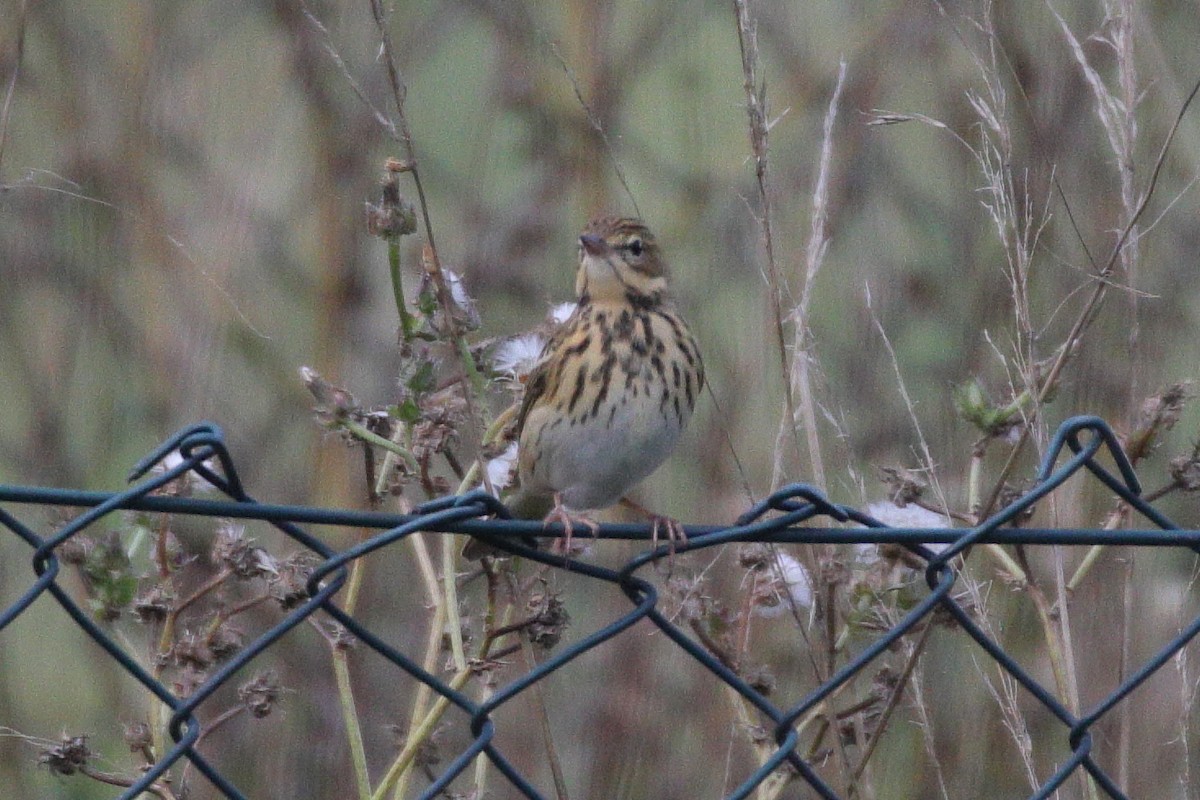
(635, 246)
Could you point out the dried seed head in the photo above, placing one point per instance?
(904, 485)
(237, 553)
(153, 605)
(289, 586)
(760, 678)
(192, 651)
(66, 757)
(394, 216)
(550, 619)
(225, 641)
(1185, 470)
(260, 694)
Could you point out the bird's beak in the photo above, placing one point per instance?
(593, 245)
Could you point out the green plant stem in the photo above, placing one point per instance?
(451, 547)
(360, 431)
(358, 750)
(422, 732)
(345, 689)
(389, 459)
(433, 646)
(408, 324)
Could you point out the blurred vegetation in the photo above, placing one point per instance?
(182, 228)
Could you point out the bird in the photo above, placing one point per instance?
(614, 387)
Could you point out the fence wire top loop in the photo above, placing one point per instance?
(1068, 434)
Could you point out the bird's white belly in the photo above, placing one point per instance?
(595, 462)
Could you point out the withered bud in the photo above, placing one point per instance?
(342, 638)
(1185, 471)
(550, 619)
(225, 641)
(192, 651)
(153, 605)
(234, 551)
(66, 757)
(333, 402)
(394, 216)
(1159, 413)
(259, 694)
(1164, 408)
(904, 485)
(289, 586)
(1010, 494)
(884, 682)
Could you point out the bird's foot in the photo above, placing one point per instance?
(561, 515)
(673, 528)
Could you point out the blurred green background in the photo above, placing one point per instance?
(182, 228)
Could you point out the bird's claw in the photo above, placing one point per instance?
(562, 516)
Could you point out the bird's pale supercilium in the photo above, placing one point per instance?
(615, 385)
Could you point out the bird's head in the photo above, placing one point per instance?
(620, 260)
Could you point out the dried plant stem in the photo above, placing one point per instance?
(893, 702)
(423, 730)
(433, 648)
(389, 446)
(157, 789)
(166, 638)
(408, 324)
(814, 258)
(383, 478)
(1090, 310)
(433, 261)
(543, 718)
(11, 90)
(756, 111)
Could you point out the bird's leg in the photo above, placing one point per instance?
(561, 515)
(675, 531)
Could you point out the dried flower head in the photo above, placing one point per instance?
(502, 469)
(225, 641)
(239, 554)
(781, 583)
(516, 357)
(188, 483)
(289, 586)
(153, 604)
(67, 757)
(550, 619)
(260, 694)
(909, 516)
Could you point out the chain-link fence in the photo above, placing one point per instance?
(783, 518)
